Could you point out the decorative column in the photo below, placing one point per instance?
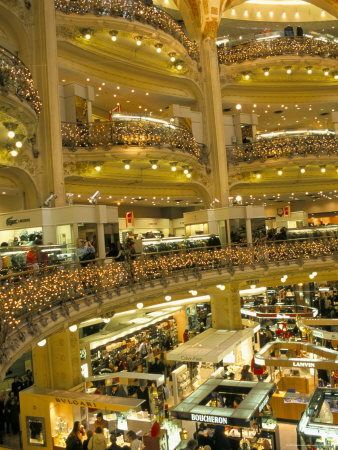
(57, 365)
(213, 116)
(45, 74)
(248, 230)
(226, 308)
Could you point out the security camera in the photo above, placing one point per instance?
(49, 199)
(93, 199)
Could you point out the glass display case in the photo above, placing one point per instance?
(176, 243)
(312, 232)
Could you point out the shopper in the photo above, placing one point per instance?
(133, 440)
(74, 440)
(12, 413)
(97, 441)
(16, 386)
(192, 444)
(256, 369)
(100, 422)
(86, 441)
(221, 442)
(113, 445)
(246, 375)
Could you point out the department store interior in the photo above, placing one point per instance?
(168, 224)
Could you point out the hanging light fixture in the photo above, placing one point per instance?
(288, 70)
(172, 56)
(126, 163)
(159, 47)
(173, 166)
(266, 71)
(113, 35)
(138, 40)
(153, 163)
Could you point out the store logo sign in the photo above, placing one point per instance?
(10, 221)
(303, 364)
(70, 401)
(191, 358)
(209, 419)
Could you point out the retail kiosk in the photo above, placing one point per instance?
(300, 359)
(47, 416)
(246, 422)
(201, 353)
(318, 427)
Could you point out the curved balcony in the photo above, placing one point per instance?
(16, 78)
(138, 131)
(131, 10)
(266, 48)
(35, 305)
(284, 147)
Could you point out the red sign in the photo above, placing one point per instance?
(287, 211)
(129, 219)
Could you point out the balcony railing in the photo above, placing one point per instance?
(129, 132)
(265, 48)
(25, 296)
(284, 147)
(15, 77)
(131, 10)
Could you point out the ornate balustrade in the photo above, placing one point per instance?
(24, 298)
(129, 132)
(16, 77)
(265, 48)
(284, 147)
(131, 10)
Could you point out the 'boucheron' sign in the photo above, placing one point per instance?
(209, 419)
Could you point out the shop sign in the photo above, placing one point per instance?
(303, 364)
(191, 358)
(70, 401)
(317, 334)
(209, 419)
(10, 221)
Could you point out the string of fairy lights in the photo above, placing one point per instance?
(283, 147)
(131, 10)
(23, 297)
(254, 49)
(16, 76)
(128, 132)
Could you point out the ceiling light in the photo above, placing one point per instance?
(280, 172)
(98, 168)
(302, 170)
(11, 134)
(193, 293)
(18, 144)
(297, 15)
(167, 298)
(238, 198)
(126, 164)
(322, 13)
(326, 72)
(258, 175)
(266, 71)
(314, 274)
(246, 13)
(179, 66)
(188, 175)
(247, 76)
(158, 47)
(139, 305)
(259, 14)
(173, 166)
(335, 76)
(153, 163)
(138, 40)
(73, 328)
(172, 56)
(284, 15)
(14, 153)
(238, 107)
(42, 343)
(221, 287)
(113, 35)
(271, 13)
(288, 70)
(323, 169)
(309, 69)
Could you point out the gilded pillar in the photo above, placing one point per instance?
(226, 308)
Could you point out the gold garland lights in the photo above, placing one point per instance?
(284, 147)
(129, 132)
(265, 48)
(25, 296)
(15, 75)
(131, 10)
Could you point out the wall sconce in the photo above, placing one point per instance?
(326, 72)
(126, 163)
(153, 163)
(280, 172)
(138, 40)
(172, 56)
(323, 169)
(309, 69)
(288, 70)
(302, 169)
(266, 71)
(113, 35)
(158, 47)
